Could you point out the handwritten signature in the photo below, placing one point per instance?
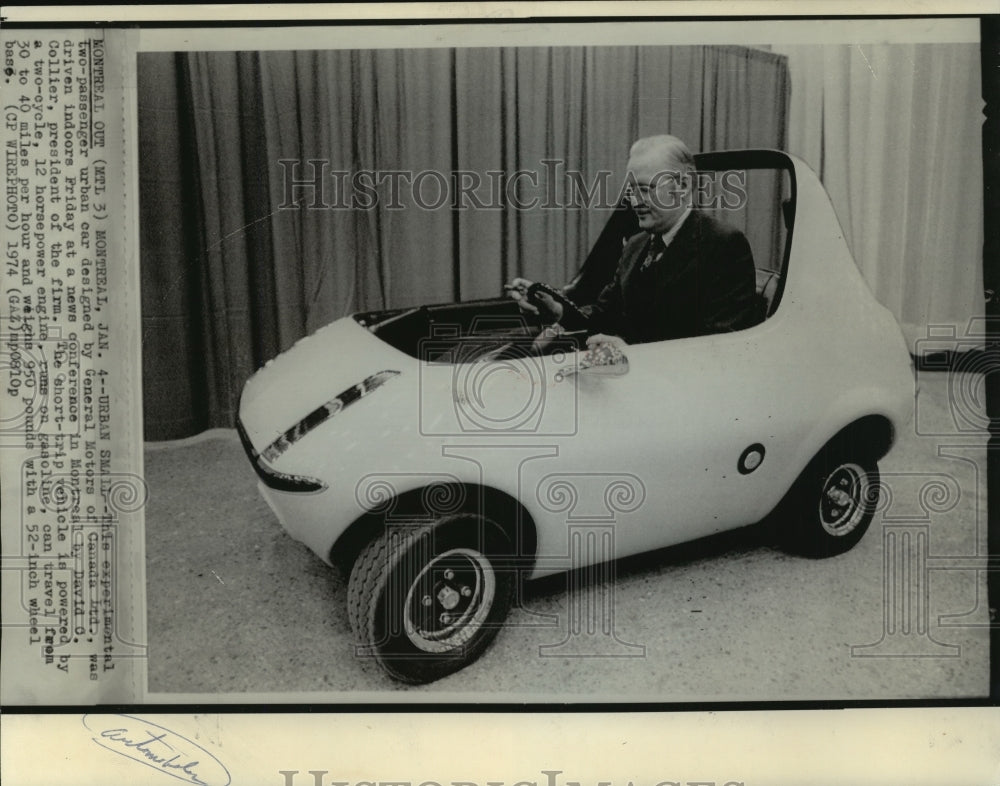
(157, 747)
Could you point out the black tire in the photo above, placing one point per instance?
(832, 504)
(426, 600)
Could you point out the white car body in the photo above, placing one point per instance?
(654, 453)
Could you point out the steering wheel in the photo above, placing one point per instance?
(572, 317)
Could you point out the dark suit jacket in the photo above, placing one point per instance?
(704, 283)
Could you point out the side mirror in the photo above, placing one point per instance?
(603, 360)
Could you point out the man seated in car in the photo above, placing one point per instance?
(686, 274)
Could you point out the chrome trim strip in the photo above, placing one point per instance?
(279, 481)
(324, 412)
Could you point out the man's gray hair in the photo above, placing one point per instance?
(671, 152)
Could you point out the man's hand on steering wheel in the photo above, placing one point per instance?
(541, 304)
(550, 304)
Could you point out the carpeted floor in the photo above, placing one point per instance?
(238, 610)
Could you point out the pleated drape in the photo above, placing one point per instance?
(238, 261)
(894, 131)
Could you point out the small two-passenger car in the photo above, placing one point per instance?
(443, 452)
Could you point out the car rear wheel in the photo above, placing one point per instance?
(833, 503)
(427, 600)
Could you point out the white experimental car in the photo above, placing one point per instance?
(442, 453)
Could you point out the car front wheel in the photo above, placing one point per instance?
(426, 600)
(833, 504)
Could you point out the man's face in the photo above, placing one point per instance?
(659, 193)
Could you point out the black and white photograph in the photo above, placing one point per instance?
(529, 393)
(609, 366)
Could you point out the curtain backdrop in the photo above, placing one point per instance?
(237, 264)
(895, 132)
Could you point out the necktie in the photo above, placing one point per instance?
(654, 252)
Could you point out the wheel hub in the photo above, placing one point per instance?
(842, 501)
(449, 600)
(839, 497)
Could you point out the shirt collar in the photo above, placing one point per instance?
(669, 235)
